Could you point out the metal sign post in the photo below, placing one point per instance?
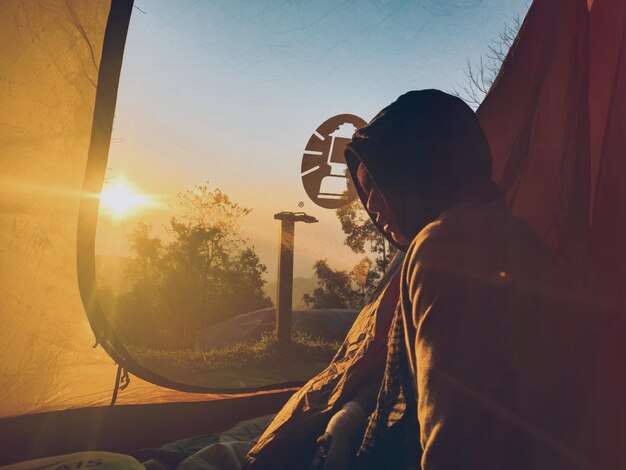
(285, 271)
(328, 184)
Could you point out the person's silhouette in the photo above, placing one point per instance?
(485, 350)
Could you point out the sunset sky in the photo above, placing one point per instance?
(230, 92)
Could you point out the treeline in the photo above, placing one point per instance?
(206, 274)
(351, 289)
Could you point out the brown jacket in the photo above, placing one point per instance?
(290, 441)
(497, 344)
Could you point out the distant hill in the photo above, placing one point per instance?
(301, 286)
(111, 274)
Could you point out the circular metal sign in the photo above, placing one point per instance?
(324, 172)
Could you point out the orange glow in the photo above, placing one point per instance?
(120, 199)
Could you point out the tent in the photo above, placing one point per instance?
(560, 161)
(54, 148)
(327, 323)
(554, 118)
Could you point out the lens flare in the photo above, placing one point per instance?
(119, 199)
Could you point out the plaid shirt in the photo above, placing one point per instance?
(396, 390)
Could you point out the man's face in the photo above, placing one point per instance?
(377, 206)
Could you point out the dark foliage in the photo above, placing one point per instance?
(342, 289)
(204, 275)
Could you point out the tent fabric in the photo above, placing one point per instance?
(560, 159)
(535, 117)
(127, 428)
(606, 30)
(331, 323)
(606, 271)
(50, 56)
(45, 339)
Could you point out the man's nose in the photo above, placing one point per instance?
(375, 204)
(374, 209)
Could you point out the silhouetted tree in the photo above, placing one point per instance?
(480, 77)
(206, 274)
(138, 313)
(335, 289)
(362, 235)
(365, 278)
(339, 288)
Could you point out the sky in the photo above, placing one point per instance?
(229, 92)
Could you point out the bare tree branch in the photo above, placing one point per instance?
(480, 77)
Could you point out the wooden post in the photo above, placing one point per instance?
(285, 281)
(285, 271)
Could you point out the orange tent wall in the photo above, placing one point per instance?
(50, 57)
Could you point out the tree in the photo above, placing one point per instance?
(362, 235)
(335, 289)
(481, 76)
(247, 273)
(212, 210)
(204, 275)
(138, 313)
(365, 277)
(341, 289)
(148, 251)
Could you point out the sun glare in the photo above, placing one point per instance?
(120, 199)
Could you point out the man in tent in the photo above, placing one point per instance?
(485, 346)
(487, 338)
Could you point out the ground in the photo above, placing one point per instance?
(253, 364)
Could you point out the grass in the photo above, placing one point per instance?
(258, 363)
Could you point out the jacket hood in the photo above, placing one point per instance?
(425, 145)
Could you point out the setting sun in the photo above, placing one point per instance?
(120, 199)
